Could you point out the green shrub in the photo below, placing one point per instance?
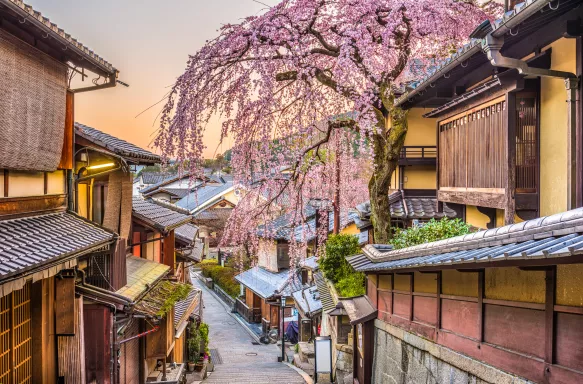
(334, 264)
(433, 230)
(224, 277)
(351, 285)
(203, 329)
(347, 281)
(193, 343)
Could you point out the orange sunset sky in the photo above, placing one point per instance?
(148, 41)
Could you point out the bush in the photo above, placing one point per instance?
(334, 264)
(224, 277)
(347, 281)
(433, 230)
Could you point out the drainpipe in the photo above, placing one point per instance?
(492, 47)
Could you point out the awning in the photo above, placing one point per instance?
(141, 274)
(184, 309)
(308, 301)
(359, 309)
(43, 245)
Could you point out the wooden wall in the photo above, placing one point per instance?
(507, 317)
(98, 328)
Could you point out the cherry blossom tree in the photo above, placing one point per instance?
(308, 82)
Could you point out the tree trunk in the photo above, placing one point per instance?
(387, 143)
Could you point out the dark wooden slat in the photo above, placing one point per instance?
(46, 182)
(510, 134)
(550, 287)
(481, 288)
(65, 314)
(438, 309)
(6, 184)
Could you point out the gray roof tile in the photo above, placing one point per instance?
(159, 216)
(120, 147)
(31, 242)
(266, 284)
(560, 235)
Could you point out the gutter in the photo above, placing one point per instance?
(527, 11)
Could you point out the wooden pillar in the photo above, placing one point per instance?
(481, 289)
(510, 189)
(392, 293)
(579, 126)
(572, 111)
(169, 258)
(438, 309)
(550, 286)
(44, 365)
(411, 301)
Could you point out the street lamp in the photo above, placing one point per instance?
(283, 359)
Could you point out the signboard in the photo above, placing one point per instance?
(323, 350)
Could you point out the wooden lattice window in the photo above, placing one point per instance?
(526, 142)
(16, 337)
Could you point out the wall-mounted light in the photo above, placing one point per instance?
(83, 157)
(100, 166)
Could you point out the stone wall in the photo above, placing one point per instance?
(402, 357)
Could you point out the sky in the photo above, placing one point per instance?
(148, 41)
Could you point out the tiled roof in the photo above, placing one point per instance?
(141, 274)
(328, 303)
(154, 303)
(158, 216)
(510, 19)
(202, 195)
(52, 30)
(310, 263)
(307, 301)
(32, 243)
(213, 214)
(178, 193)
(416, 208)
(184, 308)
(155, 188)
(186, 233)
(194, 252)
(266, 284)
(359, 309)
(149, 178)
(120, 147)
(555, 236)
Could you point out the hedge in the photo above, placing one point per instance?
(224, 277)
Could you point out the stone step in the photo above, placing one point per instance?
(306, 351)
(304, 366)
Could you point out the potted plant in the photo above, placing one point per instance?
(193, 347)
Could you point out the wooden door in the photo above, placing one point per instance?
(16, 337)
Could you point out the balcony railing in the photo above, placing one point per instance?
(418, 155)
(252, 315)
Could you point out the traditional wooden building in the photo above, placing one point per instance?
(44, 242)
(507, 108)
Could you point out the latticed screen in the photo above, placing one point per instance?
(526, 142)
(16, 337)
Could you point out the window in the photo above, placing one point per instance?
(16, 337)
(282, 256)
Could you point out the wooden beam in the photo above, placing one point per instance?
(492, 200)
(6, 183)
(579, 124)
(46, 182)
(12, 207)
(66, 161)
(550, 286)
(481, 284)
(438, 308)
(510, 117)
(411, 288)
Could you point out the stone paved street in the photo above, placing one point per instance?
(242, 361)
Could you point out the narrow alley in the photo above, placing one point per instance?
(239, 359)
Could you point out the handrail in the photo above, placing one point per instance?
(418, 152)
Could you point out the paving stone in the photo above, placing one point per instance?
(242, 361)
